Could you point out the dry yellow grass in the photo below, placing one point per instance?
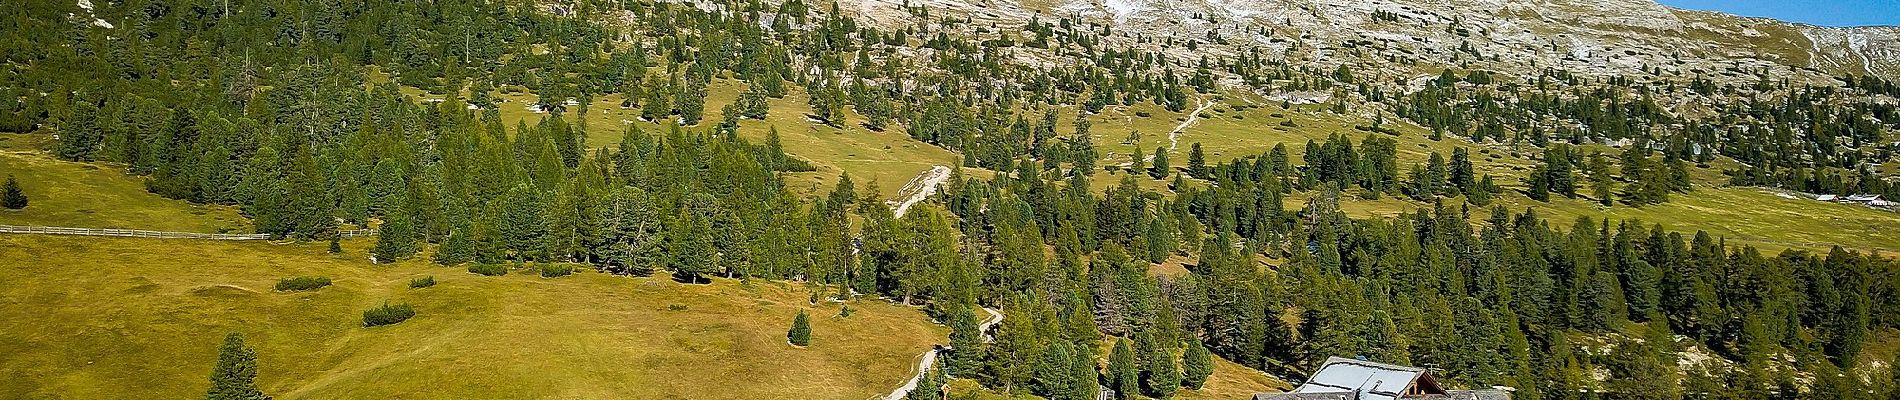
(142, 318)
(89, 195)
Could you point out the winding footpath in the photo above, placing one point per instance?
(921, 187)
(930, 356)
(1174, 135)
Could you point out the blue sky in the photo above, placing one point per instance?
(1816, 12)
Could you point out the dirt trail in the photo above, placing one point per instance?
(1174, 135)
(921, 188)
(930, 357)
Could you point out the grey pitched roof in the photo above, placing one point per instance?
(1448, 395)
(1350, 379)
(1368, 380)
(1304, 396)
(1466, 395)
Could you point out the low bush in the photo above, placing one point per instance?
(556, 270)
(388, 314)
(488, 269)
(302, 283)
(422, 282)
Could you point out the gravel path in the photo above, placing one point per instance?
(930, 357)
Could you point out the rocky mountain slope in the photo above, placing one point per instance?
(1597, 38)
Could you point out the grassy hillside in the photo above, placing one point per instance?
(1757, 217)
(142, 318)
(889, 157)
(1236, 125)
(64, 193)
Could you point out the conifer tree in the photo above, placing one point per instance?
(79, 139)
(1537, 185)
(1084, 380)
(800, 334)
(965, 342)
(1122, 374)
(12, 197)
(1160, 169)
(1159, 374)
(521, 225)
(1461, 174)
(1082, 149)
(929, 387)
(457, 249)
(1053, 377)
(1136, 161)
(235, 375)
(692, 102)
(1197, 162)
(1197, 364)
(396, 238)
(1601, 183)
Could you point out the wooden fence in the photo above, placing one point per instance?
(54, 230)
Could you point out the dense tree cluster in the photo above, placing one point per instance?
(1815, 139)
(264, 105)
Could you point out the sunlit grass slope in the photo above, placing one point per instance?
(142, 318)
(89, 195)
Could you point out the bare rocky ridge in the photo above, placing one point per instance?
(1597, 38)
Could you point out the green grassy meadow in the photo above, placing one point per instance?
(142, 318)
(89, 195)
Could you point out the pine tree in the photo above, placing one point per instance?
(1601, 183)
(234, 377)
(396, 238)
(1053, 378)
(1159, 373)
(1136, 161)
(521, 224)
(1160, 169)
(1084, 380)
(965, 342)
(1197, 363)
(457, 249)
(1461, 174)
(929, 387)
(1082, 149)
(1197, 162)
(13, 197)
(1122, 375)
(1537, 185)
(800, 334)
(692, 102)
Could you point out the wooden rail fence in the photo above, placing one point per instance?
(138, 233)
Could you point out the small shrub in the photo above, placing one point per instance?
(800, 334)
(388, 314)
(302, 283)
(422, 282)
(14, 197)
(488, 269)
(676, 307)
(1144, 114)
(556, 270)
